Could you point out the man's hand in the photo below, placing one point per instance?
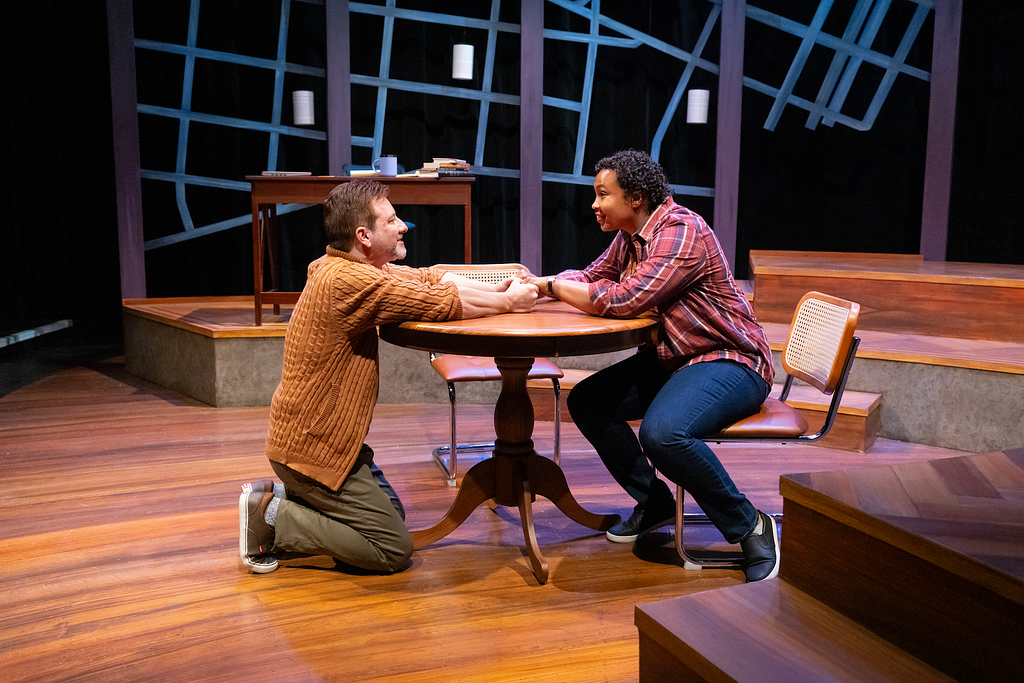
(517, 297)
(521, 296)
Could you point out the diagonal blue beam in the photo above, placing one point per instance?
(684, 80)
(824, 39)
(282, 53)
(431, 17)
(588, 88)
(913, 28)
(797, 66)
(183, 122)
(835, 68)
(230, 122)
(488, 75)
(385, 70)
(226, 57)
(853, 66)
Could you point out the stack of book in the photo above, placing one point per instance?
(444, 166)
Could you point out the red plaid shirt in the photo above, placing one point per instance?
(675, 267)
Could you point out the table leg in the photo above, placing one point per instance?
(515, 474)
(477, 487)
(540, 565)
(549, 481)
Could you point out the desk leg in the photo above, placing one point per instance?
(469, 230)
(257, 262)
(272, 240)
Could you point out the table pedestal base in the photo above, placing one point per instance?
(516, 474)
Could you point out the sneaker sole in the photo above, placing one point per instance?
(253, 565)
(778, 550)
(629, 539)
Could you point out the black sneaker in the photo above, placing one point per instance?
(761, 551)
(255, 536)
(640, 523)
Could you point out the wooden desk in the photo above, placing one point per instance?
(516, 473)
(269, 191)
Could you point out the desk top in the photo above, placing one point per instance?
(313, 189)
(552, 329)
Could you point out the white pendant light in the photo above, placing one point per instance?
(302, 107)
(462, 62)
(697, 106)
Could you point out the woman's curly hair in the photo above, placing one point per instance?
(637, 172)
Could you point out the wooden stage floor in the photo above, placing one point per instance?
(119, 533)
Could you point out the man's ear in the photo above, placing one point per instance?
(363, 236)
(636, 200)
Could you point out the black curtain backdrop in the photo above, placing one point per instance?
(822, 189)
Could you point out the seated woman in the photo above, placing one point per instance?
(711, 366)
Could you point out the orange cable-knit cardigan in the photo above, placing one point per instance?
(321, 410)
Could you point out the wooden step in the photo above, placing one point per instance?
(903, 572)
(897, 292)
(928, 555)
(761, 631)
(855, 427)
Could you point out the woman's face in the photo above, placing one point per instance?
(614, 211)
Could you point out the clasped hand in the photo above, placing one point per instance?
(521, 295)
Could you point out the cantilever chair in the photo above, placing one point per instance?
(454, 368)
(819, 350)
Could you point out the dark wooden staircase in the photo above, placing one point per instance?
(905, 572)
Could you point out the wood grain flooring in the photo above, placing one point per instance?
(118, 531)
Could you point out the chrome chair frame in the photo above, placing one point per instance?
(802, 359)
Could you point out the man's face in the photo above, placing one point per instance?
(386, 238)
(614, 211)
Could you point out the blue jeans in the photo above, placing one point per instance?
(677, 409)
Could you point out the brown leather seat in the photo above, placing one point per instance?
(775, 420)
(454, 368)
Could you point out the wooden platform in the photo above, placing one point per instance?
(954, 393)
(206, 348)
(924, 561)
(897, 293)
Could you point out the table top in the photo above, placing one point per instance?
(551, 330)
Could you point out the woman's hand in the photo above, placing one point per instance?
(521, 296)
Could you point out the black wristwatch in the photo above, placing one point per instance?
(551, 286)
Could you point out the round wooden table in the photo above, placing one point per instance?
(516, 474)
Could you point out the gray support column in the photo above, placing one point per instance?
(938, 168)
(531, 141)
(127, 165)
(729, 121)
(339, 89)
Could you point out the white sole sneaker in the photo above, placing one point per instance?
(256, 565)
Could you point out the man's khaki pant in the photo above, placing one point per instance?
(356, 524)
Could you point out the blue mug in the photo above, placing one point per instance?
(386, 166)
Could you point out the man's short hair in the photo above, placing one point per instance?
(348, 206)
(637, 172)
